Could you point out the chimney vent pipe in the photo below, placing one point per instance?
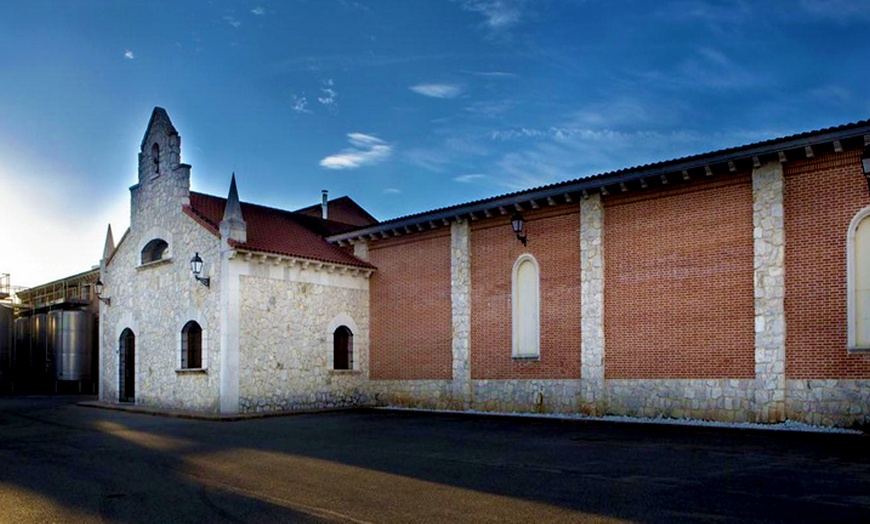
(324, 207)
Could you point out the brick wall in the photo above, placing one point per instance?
(679, 282)
(554, 241)
(411, 323)
(821, 197)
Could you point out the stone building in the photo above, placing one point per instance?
(729, 285)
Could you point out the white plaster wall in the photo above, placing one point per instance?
(285, 346)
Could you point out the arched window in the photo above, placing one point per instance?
(342, 348)
(858, 285)
(191, 346)
(526, 308)
(126, 366)
(154, 250)
(155, 157)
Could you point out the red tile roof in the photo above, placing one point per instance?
(275, 231)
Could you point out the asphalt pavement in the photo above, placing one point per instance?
(60, 462)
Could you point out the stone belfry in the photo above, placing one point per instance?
(164, 182)
(160, 152)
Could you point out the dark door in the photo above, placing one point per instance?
(342, 349)
(126, 371)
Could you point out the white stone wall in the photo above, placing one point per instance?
(527, 396)
(460, 298)
(828, 402)
(592, 303)
(730, 400)
(156, 300)
(421, 394)
(769, 235)
(284, 343)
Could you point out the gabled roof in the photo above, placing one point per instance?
(639, 177)
(275, 231)
(342, 210)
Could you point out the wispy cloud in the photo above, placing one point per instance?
(365, 150)
(490, 108)
(299, 104)
(706, 69)
(493, 74)
(233, 21)
(392, 191)
(844, 11)
(718, 18)
(259, 11)
(128, 54)
(498, 15)
(437, 90)
(467, 179)
(328, 94)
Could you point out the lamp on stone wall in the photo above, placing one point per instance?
(196, 268)
(517, 222)
(98, 291)
(865, 165)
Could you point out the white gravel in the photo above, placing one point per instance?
(788, 425)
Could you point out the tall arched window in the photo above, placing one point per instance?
(526, 308)
(858, 285)
(155, 157)
(154, 250)
(342, 348)
(191, 346)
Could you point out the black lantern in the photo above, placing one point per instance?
(196, 268)
(865, 165)
(98, 291)
(517, 222)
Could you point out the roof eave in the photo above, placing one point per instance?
(564, 190)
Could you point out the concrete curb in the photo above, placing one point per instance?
(192, 415)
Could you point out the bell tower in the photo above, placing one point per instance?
(164, 182)
(160, 152)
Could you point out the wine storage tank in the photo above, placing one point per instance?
(72, 343)
(21, 350)
(39, 349)
(7, 327)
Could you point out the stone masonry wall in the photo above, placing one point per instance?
(527, 396)
(460, 299)
(420, 394)
(138, 293)
(731, 400)
(828, 402)
(769, 251)
(285, 347)
(592, 302)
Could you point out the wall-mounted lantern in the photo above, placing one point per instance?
(98, 291)
(196, 268)
(865, 165)
(517, 222)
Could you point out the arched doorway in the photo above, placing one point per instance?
(126, 363)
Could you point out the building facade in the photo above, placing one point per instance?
(724, 286)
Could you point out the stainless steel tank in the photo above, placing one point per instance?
(21, 350)
(72, 344)
(7, 328)
(39, 350)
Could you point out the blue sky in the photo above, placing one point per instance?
(405, 105)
